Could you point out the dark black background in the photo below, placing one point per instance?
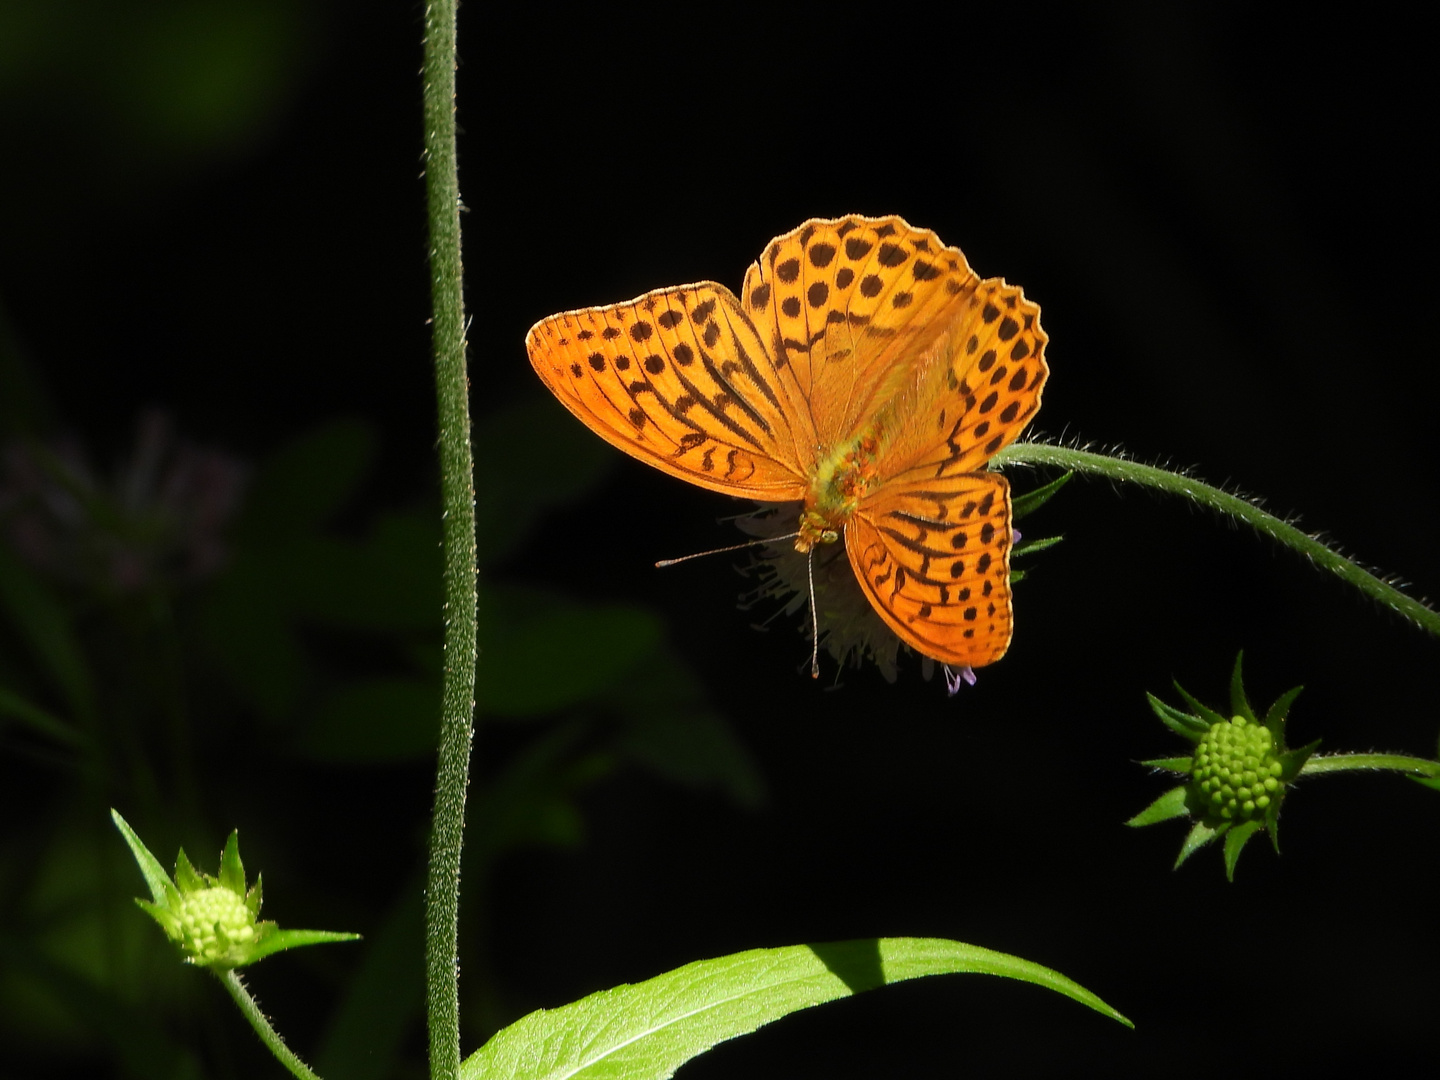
(1225, 213)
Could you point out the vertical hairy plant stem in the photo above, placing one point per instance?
(442, 191)
(1117, 468)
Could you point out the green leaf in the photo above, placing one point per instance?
(1432, 782)
(1029, 547)
(162, 891)
(1200, 835)
(279, 940)
(647, 1030)
(1033, 500)
(1182, 723)
(168, 921)
(1171, 764)
(186, 877)
(1235, 840)
(1204, 711)
(1272, 824)
(1292, 761)
(1276, 716)
(1239, 706)
(232, 870)
(1170, 805)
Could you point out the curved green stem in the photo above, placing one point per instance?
(268, 1035)
(457, 488)
(1334, 763)
(1116, 468)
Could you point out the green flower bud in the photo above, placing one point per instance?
(215, 925)
(1235, 765)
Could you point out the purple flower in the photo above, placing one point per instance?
(954, 676)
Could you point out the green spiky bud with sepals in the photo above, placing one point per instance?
(1237, 776)
(213, 919)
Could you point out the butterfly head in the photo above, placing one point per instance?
(814, 529)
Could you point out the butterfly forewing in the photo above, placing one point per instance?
(680, 379)
(996, 374)
(934, 559)
(847, 305)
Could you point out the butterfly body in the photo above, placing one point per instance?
(865, 372)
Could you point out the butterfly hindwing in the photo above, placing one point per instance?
(934, 559)
(679, 379)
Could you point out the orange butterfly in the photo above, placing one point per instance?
(867, 372)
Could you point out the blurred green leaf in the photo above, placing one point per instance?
(43, 625)
(540, 653)
(669, 727)
(141, 86)
(303, 485)
(384, 719)
(389, 581)
(531, 801)
(250, 633)
(15, 707)
(383, 1000)
(199, 75)
(141, 1047)
(548, 460)
(647, 1030)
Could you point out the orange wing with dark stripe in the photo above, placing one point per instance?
(934, 559)
(994, 374)
(680, 379)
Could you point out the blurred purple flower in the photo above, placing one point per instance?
(161, 519)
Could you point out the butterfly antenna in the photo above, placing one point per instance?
(720, 551)
(814, 617)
